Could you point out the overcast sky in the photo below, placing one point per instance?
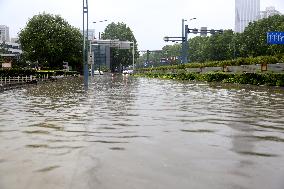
(150, 20)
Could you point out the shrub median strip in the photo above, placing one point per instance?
(270, 79)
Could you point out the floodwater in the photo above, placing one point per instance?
(139, 133)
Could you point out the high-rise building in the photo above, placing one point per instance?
(269, 11)
(4, 33)
(246, 11)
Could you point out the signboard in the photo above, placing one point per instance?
(65, 66)
(275, 38)
(114, 43)
(124, 45)
(7, 65)
(203, 31)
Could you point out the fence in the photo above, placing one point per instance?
(15, 82)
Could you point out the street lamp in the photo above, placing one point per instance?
(85, 49)
(184, 41)
(94, 27)
(92, 59)
(133, 53)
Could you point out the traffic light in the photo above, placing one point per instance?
(212, 31)
(195, 31)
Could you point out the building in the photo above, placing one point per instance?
(246, 11)
(269, 11)
(14, 39)
(11, 48)
(4, 33)
(9, 52)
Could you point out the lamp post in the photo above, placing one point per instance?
(184, 42)
(93, 58)
(133, 53)
(95, 29)
(85, 39)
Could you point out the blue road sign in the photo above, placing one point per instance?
(275, 38)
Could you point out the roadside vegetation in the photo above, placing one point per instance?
(47, 40)
(269, 79)
(228, 48)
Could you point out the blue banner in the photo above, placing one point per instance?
(275, 38)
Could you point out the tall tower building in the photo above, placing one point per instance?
(4, 33)
(246, 11)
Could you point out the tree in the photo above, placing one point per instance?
(120, 57)
(3, 48)
(197, 49)
(215, 47)
(220, 46)
(254, 42)
(50, 40)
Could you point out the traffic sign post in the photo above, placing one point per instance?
(203, 31)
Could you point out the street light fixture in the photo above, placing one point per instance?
(184, 20)
(85, 49)
(92, 59)
(184, 41)
(98, 22)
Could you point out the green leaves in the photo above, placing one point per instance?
(50, 39)
(254, 37)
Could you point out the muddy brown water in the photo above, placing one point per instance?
(126, 133)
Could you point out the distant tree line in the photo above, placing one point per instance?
(229, 45)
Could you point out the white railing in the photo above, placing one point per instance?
(13, 80)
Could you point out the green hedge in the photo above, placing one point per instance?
(236, 62)
(271, 79)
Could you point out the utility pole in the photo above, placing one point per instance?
(85, 42)
(183, 60)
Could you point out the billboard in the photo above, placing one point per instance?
(275, 38)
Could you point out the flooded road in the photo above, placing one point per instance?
(126, 133)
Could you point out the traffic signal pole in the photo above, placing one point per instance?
(85, 42)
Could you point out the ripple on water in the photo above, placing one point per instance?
(48, 125)
(61, 121)
(117, 148)
(250, 153)
(198, 130)
(47, 169)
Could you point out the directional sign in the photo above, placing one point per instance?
(114, 43)
(275, 38)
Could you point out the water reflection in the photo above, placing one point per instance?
(126, 132)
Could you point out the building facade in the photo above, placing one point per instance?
(246, 11)
(4, 33)
(269, 11)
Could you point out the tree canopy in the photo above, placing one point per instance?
(122, 32)
(50, 40)
(254, 42)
